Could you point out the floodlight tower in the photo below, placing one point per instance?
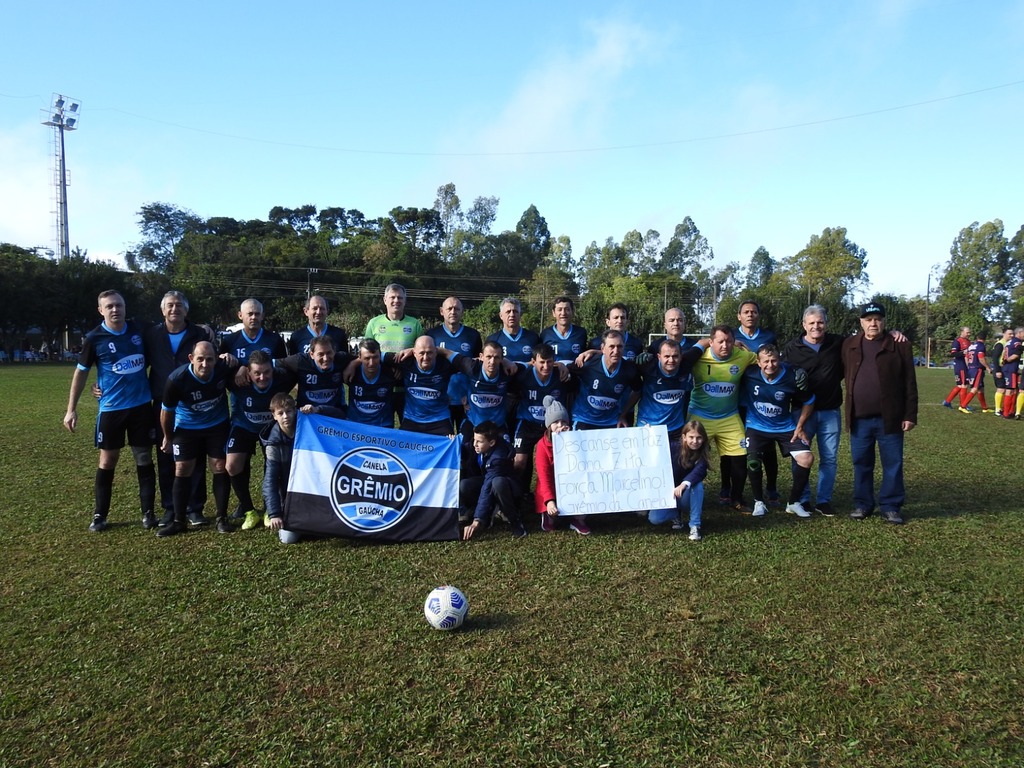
(62, 116)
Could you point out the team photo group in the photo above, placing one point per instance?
(189, 403)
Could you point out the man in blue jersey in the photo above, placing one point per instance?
(751, 335)
(666, 381)
(675, 330)
(608, 387)
(195, 422)
(772, 392)
(425, 376)
(319, 372)
(316, 311)
(371, 392)
(252, 336)
(567, 340)
(516, 342)
(488, 390)
(452, 334)
(250, 415)
(168, 345)
(618, 320)
(115, 347)
(533, 383)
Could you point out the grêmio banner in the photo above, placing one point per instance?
(364, 482)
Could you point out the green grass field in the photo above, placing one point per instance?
(779, 642)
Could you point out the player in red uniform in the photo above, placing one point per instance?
(976, 367)
(957, 351)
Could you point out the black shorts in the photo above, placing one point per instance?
(528, 434)
(137, 423)
(241, 440)
(759, 442)
(440, 428)
(189, 444)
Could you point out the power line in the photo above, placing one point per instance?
(572, 150)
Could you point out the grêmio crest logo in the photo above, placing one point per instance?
(370, 490)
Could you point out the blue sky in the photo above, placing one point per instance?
(898, 119)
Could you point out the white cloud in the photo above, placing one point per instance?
(563, 102)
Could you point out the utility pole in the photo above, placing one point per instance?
(927, 306)
(309, 281)
(62, 116)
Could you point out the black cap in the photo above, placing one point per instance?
(872, 308)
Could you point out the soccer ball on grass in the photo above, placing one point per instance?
(446, 608)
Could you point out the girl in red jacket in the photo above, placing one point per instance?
(556, 419)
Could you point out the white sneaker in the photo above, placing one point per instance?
(796, 508)
(694, 533)
(760, 509)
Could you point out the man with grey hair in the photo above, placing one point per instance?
(394, 330)
(819, 354)
(516, 342)
(316, 311)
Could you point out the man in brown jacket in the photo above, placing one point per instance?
(881, 405)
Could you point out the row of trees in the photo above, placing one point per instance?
(449, 247)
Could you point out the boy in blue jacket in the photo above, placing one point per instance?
(491, 481)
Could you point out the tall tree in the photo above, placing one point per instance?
(831, 266)
(972, 290)
(560, 254)
(533, 229)
(449, 209)
(162, 226)
(760, 269)
(481, 216)
(687, 249)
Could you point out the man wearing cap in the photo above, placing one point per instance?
(881, 405)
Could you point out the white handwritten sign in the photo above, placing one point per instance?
(613, 470)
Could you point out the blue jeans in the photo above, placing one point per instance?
(865, 434)
(288, 537)
(692, 499)
(827, 426)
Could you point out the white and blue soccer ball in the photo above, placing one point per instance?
(446, 608)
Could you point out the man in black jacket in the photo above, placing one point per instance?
(819, 354)
(881, 406)
(168, 345)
